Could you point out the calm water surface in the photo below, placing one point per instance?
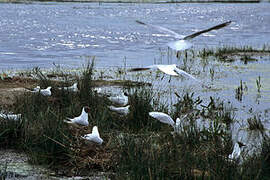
(41, 34)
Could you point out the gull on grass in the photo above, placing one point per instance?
(165, 118)
(36, 89)
(9, 116)
(120, 110)
(183, 42)
(82, 119)
(94, 136)
(73, 88)
(44, 92)
(120, 100)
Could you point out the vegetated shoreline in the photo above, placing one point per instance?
(135, 146)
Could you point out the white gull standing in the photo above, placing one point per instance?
(82, 119)
(183, 42)
(94, 136)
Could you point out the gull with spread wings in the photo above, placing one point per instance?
(170, 69)
(183, 42)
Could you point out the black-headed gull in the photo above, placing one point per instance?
(44, 92)
(183, 42)
(170, 69)
(94, 136)
(120, 110)
(82, 119)
(165, 118)
(73, 88)
(120, 100)
(14, 117)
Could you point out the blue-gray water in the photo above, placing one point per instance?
(39, 34)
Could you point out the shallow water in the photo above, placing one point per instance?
(40, 34)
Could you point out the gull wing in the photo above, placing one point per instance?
(219, 26)
(167, 69)
(162, 117)
(181, 72)
(236, 152)
(176, 35)
(95, 131)
(139, 69)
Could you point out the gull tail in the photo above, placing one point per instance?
(68, 121)
(207, 30)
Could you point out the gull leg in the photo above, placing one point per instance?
(178, 54)
(170, 79)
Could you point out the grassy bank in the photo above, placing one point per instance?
(135, 146)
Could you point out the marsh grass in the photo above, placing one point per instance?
(190, 154)
(141, 103)
(135, 146)
(255, 124)
(265, 159)
(9, 133)
(230, 53)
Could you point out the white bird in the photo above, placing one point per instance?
(94, 136)
(120, 110)
(82, 119)
(73, 88)
(183, 42)
(163, 117)
(44, 92)
(120, 100)
(14, 117)
(170, 69)
(177, 127)
(36, 88)
(97, 90)
(236, 150)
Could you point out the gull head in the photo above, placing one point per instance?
(86, 109)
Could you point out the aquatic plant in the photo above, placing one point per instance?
(255, 124)
(239, 91)
(258, 83)
(230, 53)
